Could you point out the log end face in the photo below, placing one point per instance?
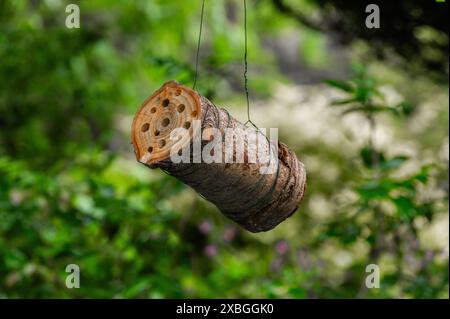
(154, 129)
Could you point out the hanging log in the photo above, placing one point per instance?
(256, 191)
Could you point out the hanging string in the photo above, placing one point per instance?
(248, 107)
(198, 44)
(246, 66)
(245, 63)
(245, 59)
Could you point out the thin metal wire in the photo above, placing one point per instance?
(246, 71)
(245, 59)
(198, 45)
(249, 121)
(246, 64)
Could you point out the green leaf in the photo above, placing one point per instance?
(297, 292)
(394, 163)
(405, 107)
(370, 156)
(405, 208)
(371, 109)
(341, 85)
(343, 101)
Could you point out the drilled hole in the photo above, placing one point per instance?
(165, 102)
(157, 132)
(165, 122)
(180, 108)
(162, 143)
(150, 149)
(178, 92)
(187, 125)
(145, 127)
(153, 110)
(180, 152)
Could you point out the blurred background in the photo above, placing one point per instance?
(366, 110)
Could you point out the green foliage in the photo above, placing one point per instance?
(362, 92)
(390, 203)
(124, 235)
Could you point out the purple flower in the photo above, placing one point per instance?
(210, 250)
(281, 247)
(229, 233)
(205, 227)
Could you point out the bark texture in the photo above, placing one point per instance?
(256, 201)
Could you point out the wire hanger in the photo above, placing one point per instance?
(245, 59)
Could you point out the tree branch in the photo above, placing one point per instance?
(297, 15)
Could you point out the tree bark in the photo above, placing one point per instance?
(257, 193)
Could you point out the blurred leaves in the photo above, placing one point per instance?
(386, 203)
(363, 95)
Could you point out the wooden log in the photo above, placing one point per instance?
(256, 191)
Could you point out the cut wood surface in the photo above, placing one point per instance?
(243, 191)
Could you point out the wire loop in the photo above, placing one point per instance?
(198, 44)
